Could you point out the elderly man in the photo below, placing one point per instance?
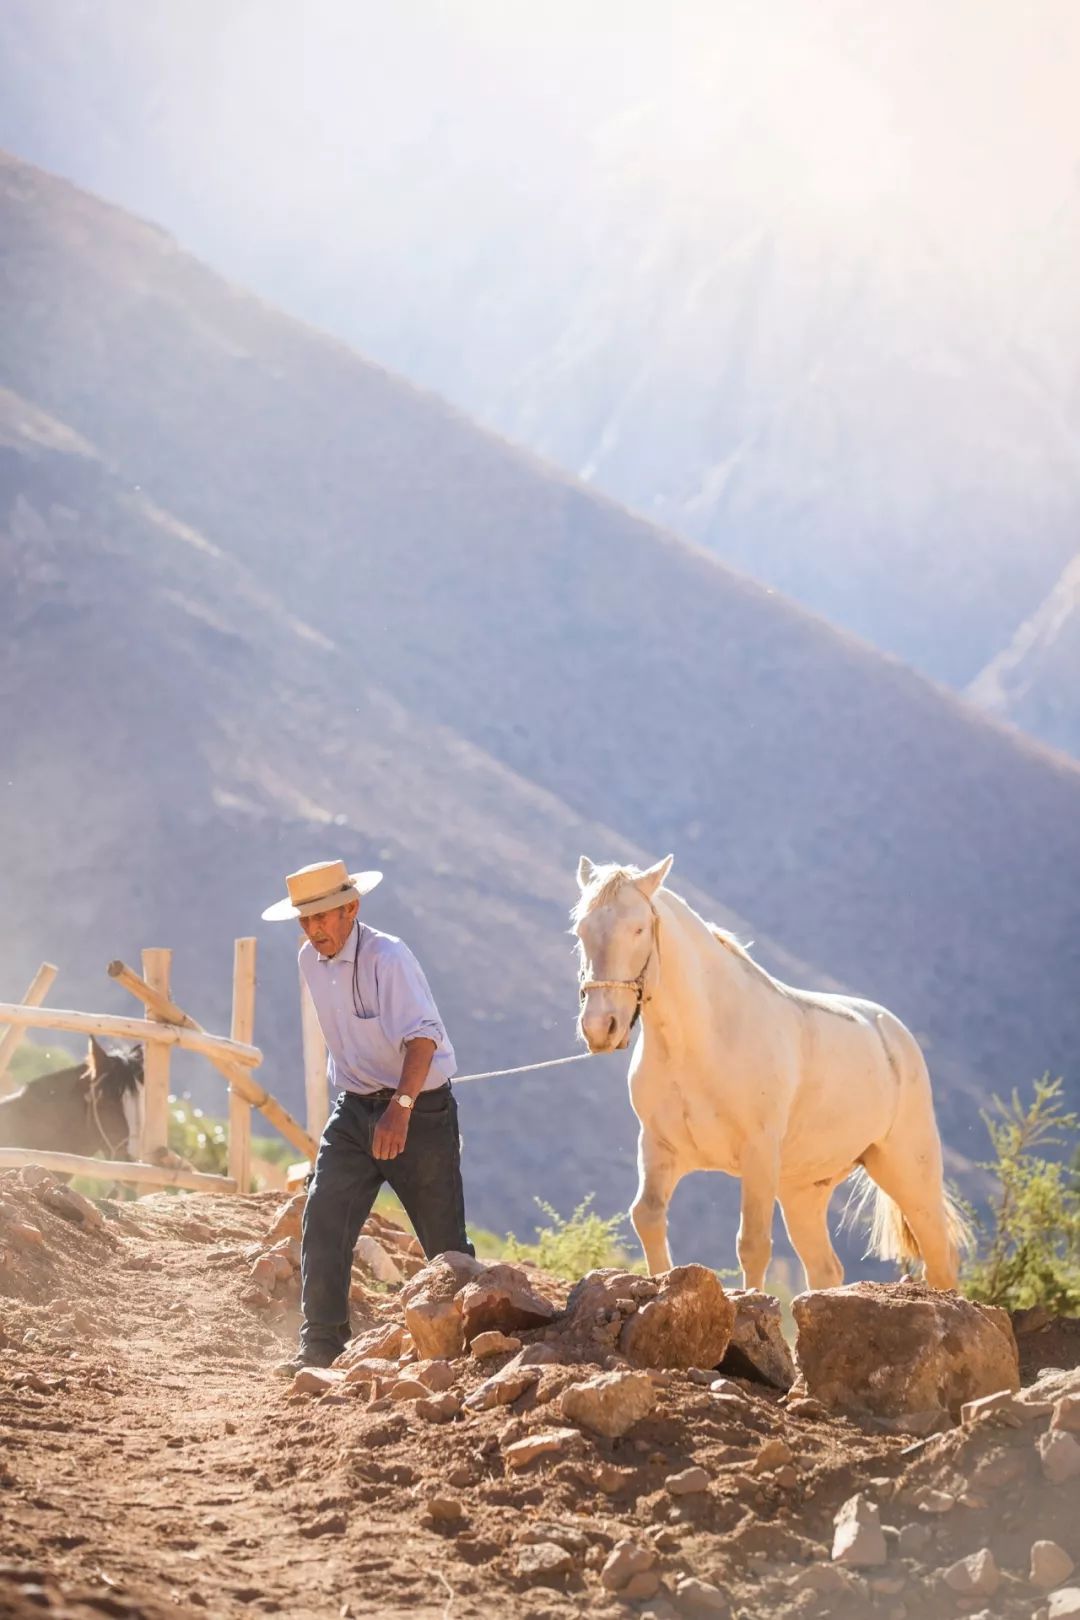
(394, 1119)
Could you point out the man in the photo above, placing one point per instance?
(394, 1119)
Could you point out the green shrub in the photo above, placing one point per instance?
(1029, 1249)
(32, 1059)
(200, 1139)
(571, 1246)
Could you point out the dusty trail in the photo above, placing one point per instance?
(152, 1464)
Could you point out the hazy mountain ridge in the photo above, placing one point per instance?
(794, 286)
(521, 652)
(1035, 681)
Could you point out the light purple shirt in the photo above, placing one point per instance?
(369, 1004)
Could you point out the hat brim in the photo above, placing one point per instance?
(358, 883)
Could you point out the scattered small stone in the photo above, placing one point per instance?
(572, 1541)
(645, 1584)
(1050, 1565)
(26, 1234)
(773, 1454)
(1065, 1604)
(859, 1540)
(695, 1598)
(626, 1560)
(494, 1343)
(974, 1576)
(913, 1540)
(610, 1404)
(1059, 1453)
(804, 1406)
(316, 1380)
(439, 1408)
(374, 1258)
(409, 1389)
(1002, 1405)
(545, 1443)
(543, 1562)
(73, 1206)
(1066, 1414)
(501, 1388)
(443, 1509)
(328, 1524)
(688, 1483)
(929, 1500)
(787, 1477)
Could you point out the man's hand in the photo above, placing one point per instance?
(391, 1132)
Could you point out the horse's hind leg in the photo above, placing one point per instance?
(915, 1186)
(658, 1177)
(805, 1211)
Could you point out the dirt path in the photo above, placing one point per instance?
(152, 1464)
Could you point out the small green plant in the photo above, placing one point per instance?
(569, 1246)
(1029, 1253)
(197, 1137)
(32, 1059)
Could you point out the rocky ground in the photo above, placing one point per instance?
(496, 1444)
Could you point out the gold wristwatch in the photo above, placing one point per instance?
(403, 1099)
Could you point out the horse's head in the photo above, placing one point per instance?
(616, 927)
(113, 1090)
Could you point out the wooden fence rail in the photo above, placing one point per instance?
(36, 992)
(129, 1029)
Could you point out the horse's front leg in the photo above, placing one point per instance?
(658, 1176)
(760, 1172)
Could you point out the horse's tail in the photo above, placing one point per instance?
(891, 1238)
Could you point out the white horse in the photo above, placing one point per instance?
(734, 1071)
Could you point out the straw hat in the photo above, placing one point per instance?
(320, 887)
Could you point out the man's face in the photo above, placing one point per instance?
(328, 930)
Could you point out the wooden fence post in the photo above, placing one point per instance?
(156, 966)
(316, 1084)
(243, 1029)
(9, 1041)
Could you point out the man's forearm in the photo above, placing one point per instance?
(414, 1070)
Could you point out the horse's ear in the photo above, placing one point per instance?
(650, 881)
(96, 1060)
(585, 873)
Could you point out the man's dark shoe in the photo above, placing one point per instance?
(306, 1358)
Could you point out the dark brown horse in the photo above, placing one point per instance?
(94, 1109)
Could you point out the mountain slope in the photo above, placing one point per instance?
(182, 741)
(874, 825)
(1035, 680)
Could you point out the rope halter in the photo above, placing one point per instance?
(637, 985)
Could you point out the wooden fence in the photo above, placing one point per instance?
(166, 1027)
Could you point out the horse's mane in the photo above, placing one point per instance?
(609, 880)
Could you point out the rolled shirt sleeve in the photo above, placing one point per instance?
(407, 1009)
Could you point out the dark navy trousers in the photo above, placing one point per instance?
(426, 1176)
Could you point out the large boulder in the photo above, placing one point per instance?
(889, 1349)
(432, 1305)
(502, 1299)
(687, 1323)
(758, 1349)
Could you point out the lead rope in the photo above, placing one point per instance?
(524, 1068)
